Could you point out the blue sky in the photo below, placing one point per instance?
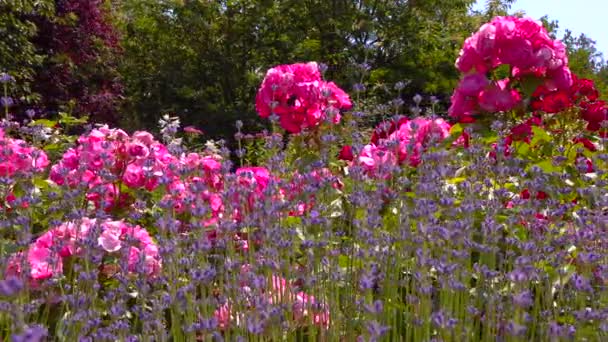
(579, 16)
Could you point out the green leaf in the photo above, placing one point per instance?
(456, 180)
(529, 85)
(67, 119)
(539, 135)
(41, 183)
(522, 148)
(547, 166)
(52, 147)
(457, 129)
(44, 122)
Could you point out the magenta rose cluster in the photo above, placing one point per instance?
(301, 99)
(106, 158)
(201, 181)
(18, 159)
(400, 141)
(304, 307)
(521, 43)
(44, 258)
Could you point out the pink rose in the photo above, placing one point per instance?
(109, 239)
(222, 314)
(43, 263)
(469, 59)
(462, 107)
(561, 78)
(486, 40)
(498, 97)
(137, 150)
(300, 98)
(338, 97)
(134, 176)
(254, 177)
(372, 158)
(144, 137)
(472, 84)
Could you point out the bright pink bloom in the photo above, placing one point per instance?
(521, 43)
(298, 95)
(498, 97)
(137, 150)
(133, 176)
(336, 96)
(109, 239)
(70, 237)
(560, 79)
(254, 178)
(43, 263)
(386, 128)
(144, 137)
(192, 130)
(373, 158)
(306, 305)
(469, 59)
(473, 84)
(222, 314)
(18, 159)
(463, 107)
(414, 136)
(517, 51)
(139, 161)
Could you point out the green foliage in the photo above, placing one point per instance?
(205, 60)
(18, 55)
(586, 61)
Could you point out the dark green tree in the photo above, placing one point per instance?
(18, 54)
(203, 60)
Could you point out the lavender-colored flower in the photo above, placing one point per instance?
(322, 67)
(358, 88)
(10, 286)
(255, 325)
(376, 330)
(6, 101)
(375, 308)
(400, 85)
(34, 333)
(581, 283)
(523, 299)
(6, 78)
(439, 319)
(515, 329)
(417, 99)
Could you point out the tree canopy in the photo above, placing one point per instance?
(203, 60)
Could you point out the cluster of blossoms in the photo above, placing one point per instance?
(582, 94)
(18, 159)
(295, 190)
(276, 290)
(201, 183)
(254, 180)
(44, 257)
(106, 158)
(399, 141)
(301, 189)
(523, 133)
(521, 43)
(301, 99)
